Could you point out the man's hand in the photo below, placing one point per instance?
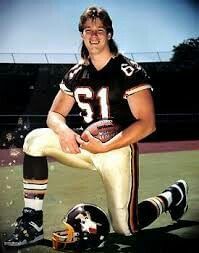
(93, 144)
(68, 142)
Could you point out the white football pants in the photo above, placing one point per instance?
(118, 169)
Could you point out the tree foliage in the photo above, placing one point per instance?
(187, 53)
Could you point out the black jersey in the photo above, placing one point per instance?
(101, 94)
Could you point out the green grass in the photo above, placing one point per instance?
(68, 187)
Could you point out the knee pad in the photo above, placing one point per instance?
(37, 140)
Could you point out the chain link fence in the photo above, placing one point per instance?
(73, 58)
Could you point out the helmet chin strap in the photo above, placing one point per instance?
(85, 226)
(62, 237)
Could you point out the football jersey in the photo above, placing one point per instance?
(102, 94)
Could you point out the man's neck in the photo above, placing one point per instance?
(100, 60)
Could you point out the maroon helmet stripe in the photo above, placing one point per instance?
(133, 203)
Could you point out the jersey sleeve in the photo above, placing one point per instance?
(136, 78)
(67, 84)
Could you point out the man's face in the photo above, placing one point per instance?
(95, 36)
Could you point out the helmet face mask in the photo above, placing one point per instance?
(86, 226)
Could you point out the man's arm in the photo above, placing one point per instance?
(142, 108)
(60, 108)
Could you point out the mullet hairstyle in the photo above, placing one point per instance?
(93, 13)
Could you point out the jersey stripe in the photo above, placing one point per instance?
(136, 89)
(65, 89)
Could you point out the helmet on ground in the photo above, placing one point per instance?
(86, 226)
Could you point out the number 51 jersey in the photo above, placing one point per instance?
(102, 94)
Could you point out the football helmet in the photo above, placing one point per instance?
(86, 226)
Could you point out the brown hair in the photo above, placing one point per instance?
(93, 13)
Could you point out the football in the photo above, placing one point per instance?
(103, 130)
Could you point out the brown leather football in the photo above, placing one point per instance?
(104, 130)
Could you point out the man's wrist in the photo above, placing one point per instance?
(107, 147)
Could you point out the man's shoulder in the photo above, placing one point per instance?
(127, 66)
(126, 60)
(75, 70)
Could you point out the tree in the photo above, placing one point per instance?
(187, 53)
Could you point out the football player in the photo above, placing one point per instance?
(104, 85)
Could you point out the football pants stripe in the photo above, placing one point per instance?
(133, 204)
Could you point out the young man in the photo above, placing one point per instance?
(104, 85)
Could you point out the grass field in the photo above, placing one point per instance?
(68, 187)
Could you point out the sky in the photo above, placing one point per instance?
(51, 26)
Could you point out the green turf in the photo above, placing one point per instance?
(68, 187)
